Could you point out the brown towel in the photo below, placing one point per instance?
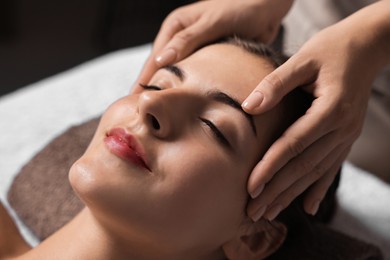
(43, 199)
(41, 194)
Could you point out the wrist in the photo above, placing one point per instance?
(371, 30)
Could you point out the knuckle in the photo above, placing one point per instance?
(184, 36)
(295, 146)
(173, 19)
(344, 111)
(274, 83)
(317, 171)
(307, 166)
(177, 19)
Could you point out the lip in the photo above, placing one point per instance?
(126, 146)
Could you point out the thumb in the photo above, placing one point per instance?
(171, 26)
(149, 68)
(182, 44)
(293, 73)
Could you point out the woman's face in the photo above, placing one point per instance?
(183, 185)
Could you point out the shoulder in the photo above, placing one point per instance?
(12, 243)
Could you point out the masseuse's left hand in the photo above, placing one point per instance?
(191, 26)
(337, 66)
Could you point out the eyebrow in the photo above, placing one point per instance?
(224, 98)
(178, 72)
(216, 95)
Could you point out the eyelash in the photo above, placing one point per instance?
(217, 133)
(150, 87)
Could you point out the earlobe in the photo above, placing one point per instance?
(256, 240)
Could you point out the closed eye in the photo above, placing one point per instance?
(150, 87)
(217, 133)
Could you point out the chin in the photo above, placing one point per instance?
(81, 179)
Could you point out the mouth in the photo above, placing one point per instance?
(126, 147)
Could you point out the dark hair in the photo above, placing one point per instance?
(258, 49)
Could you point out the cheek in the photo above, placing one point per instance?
(120, 111)
(104, 181)
(118, 196)
(203, 189)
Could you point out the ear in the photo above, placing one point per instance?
(256, 240)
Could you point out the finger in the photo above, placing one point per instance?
(284, 199)
(313, 162)
(147, 72)
(187, 41)
(178, 20)
(171, 25)
(182, 44)
(318, 190)
(293, 73)
(305, 131)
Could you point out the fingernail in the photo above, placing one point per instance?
(166, 57)
(274, 212)
(253, 101)
(257, 192)
(255, 217)
(315, 207)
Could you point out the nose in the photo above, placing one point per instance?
(167, 113)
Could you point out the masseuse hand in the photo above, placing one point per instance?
(337, 66)
(189, 27)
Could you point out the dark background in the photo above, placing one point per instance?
(40, 38)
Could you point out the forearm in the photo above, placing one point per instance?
(370, 29)
(282, 6)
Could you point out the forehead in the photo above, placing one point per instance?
(226, 67)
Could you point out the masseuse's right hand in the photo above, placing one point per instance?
(337, 66)
(189, 27)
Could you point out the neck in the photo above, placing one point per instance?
(85, 238)
(82, 238)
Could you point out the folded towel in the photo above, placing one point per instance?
(40, 193)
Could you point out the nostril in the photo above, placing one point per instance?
(155, 123)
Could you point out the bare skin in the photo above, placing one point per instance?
(12, 243)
